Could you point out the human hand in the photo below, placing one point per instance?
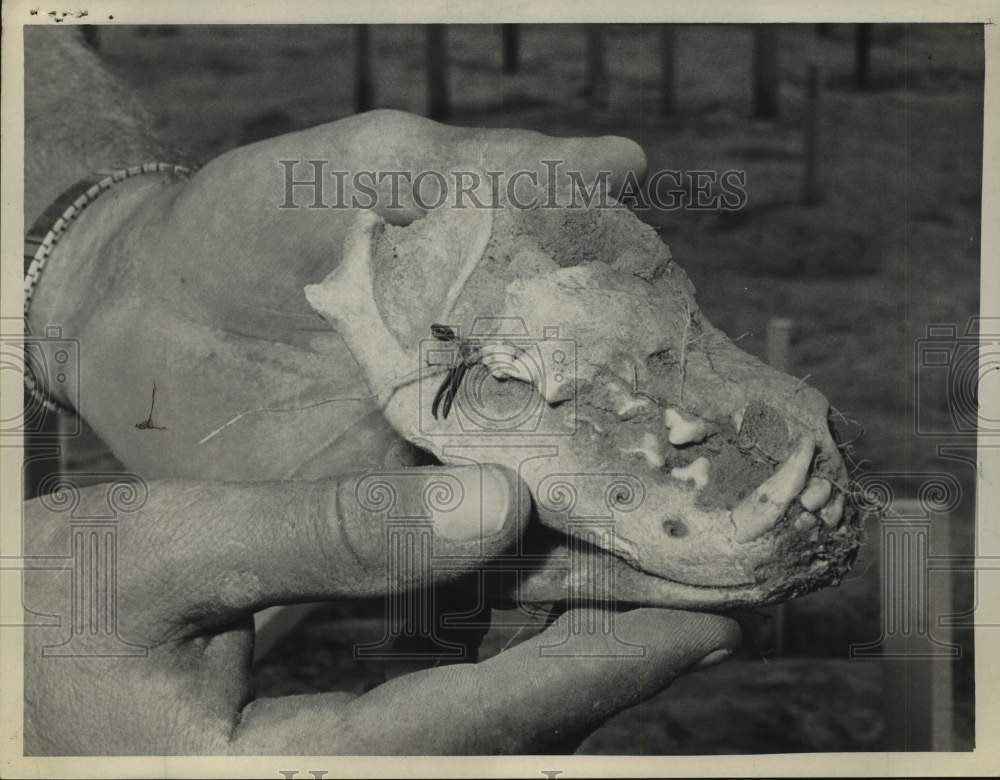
(198, 291)
(195, 560)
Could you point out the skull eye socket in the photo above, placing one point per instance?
(674, 528)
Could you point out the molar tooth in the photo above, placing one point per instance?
(650, 448)
(816, 494)
(697, 471)
(762, 509)
(682, 430)
(833, 512)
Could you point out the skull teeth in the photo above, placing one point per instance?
(816, 494)
(833, 512)
(696, 471)
(683, 430)
(650, 448)
(761, 510)
(805, 521)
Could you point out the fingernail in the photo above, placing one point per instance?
(714, 658)
(485, 508)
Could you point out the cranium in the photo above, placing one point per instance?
(575, 354)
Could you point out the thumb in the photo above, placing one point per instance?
(249, 546)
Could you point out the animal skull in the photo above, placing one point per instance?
(588, 368)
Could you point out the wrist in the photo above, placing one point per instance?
(80, 274)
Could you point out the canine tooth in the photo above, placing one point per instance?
(650, 448)
(816, 494)
(697, 471)
(738, 418)
(805, 521)
(833, 511)
(762, 509)
(682, 430)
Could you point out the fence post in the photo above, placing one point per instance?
(92, 35)
(363, 92)
(778, 355)
(438, 104)
(862, 45)
(779, 343)
(668, 70)
(511, 47)
(917, 656)
(811, 127)
(765, 72)
(596, 74)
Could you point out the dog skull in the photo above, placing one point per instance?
(587, 367)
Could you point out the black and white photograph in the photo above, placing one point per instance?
(549, 387)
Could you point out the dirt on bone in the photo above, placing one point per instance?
(734, 476)
(734, 470)
(653, 391)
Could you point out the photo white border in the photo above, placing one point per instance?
(17, 13)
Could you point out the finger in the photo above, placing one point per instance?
(421, 150)
(553, 688)
(216, 551)
(515, 150)
(517, 167)
(396, 140)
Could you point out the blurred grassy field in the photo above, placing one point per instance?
(893, 247)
